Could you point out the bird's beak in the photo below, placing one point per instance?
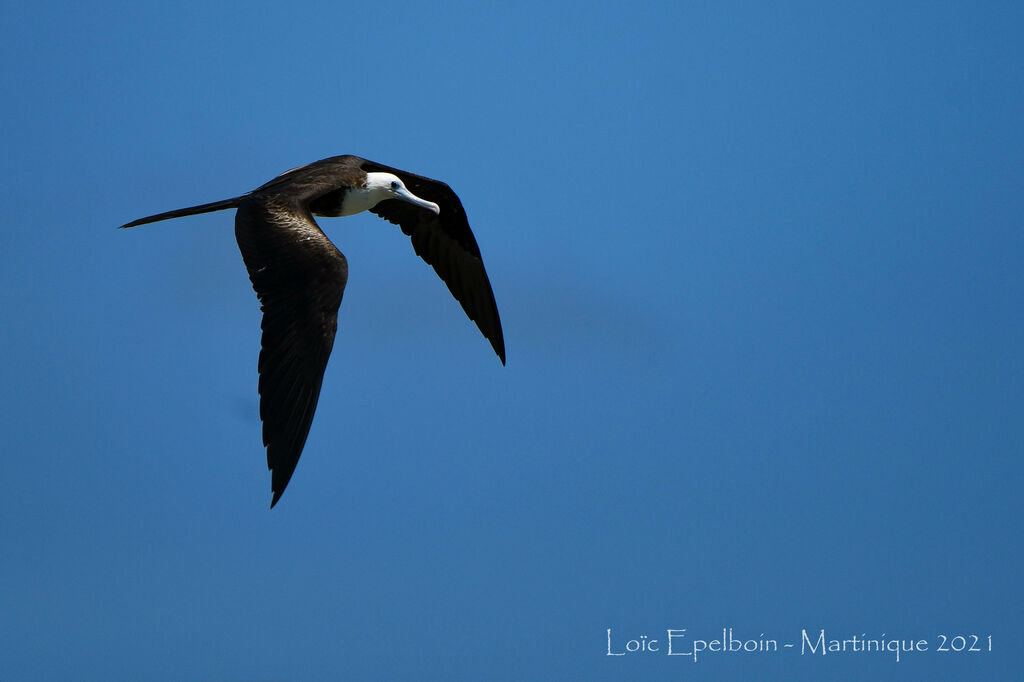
(405, 195)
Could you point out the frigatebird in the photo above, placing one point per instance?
(299, 276)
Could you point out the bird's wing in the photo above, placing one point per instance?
(299, 276)
(447, 244)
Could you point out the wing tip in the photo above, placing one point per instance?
(497, 345)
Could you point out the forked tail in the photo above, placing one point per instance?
(192, 210)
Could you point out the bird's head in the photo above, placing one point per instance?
(383, 186)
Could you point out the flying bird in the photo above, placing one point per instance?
(299, 276)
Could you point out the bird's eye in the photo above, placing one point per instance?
(394, 184)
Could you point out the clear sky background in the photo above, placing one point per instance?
(759, 271)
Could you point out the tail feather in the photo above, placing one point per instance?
(192, 210)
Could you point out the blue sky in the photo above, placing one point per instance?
(758, 267)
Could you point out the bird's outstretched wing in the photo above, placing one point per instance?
(299, 276)
(447, 244)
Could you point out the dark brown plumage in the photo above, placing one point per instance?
(299, 276)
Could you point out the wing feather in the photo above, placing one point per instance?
(447, 244)
(299, 276)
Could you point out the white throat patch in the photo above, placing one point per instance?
(378, 188)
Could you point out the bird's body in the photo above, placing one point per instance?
(300, 276)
